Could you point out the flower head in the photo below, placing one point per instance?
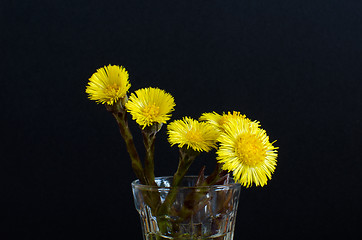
(108, 84)
(212, 118)
(219, 121)
(200, 136)
(150, 105)
(246, 151)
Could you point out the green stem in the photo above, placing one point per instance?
(149, 170)
(214, 176)
(149, 136)
(120, 115)
(187, 157)
(193, 202)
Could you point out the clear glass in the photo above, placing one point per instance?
(186, 212)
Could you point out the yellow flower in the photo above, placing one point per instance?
(200, 136)
(246, 151)
(150, 105)
(218, 120)
(108, 84)
(212, 118)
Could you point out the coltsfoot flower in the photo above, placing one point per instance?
(200, 136)
(246, 151)
(218, 120)
(150, 105)
(108, 85)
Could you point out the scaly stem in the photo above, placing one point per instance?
(187, 156)
(120, 115)
(194, 200)
(216, 176)
(149, 136)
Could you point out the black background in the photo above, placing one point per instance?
(293, 65)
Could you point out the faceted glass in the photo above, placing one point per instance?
(186, 212)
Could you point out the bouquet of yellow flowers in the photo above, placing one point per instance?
(242, 146)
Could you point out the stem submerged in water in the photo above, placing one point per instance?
(187, 157)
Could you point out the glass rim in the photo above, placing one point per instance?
(136, 184)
